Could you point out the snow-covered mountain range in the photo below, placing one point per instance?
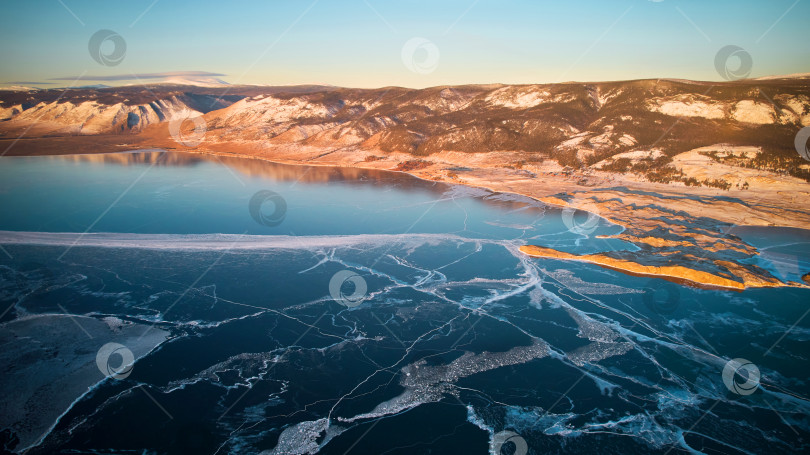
(630, 126)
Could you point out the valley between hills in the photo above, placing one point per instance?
(680, 165)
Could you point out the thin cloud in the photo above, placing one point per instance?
(142, 76)
(30, 83)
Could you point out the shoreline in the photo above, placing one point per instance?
(541, 199)
(678, 274)
(704, 241)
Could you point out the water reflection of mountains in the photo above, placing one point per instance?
(256, 168)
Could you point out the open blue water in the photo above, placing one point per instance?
(438, 336)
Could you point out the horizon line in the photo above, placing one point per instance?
(10, 85)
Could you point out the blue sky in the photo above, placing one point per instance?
(359, 43)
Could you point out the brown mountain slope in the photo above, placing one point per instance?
(677, 163)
